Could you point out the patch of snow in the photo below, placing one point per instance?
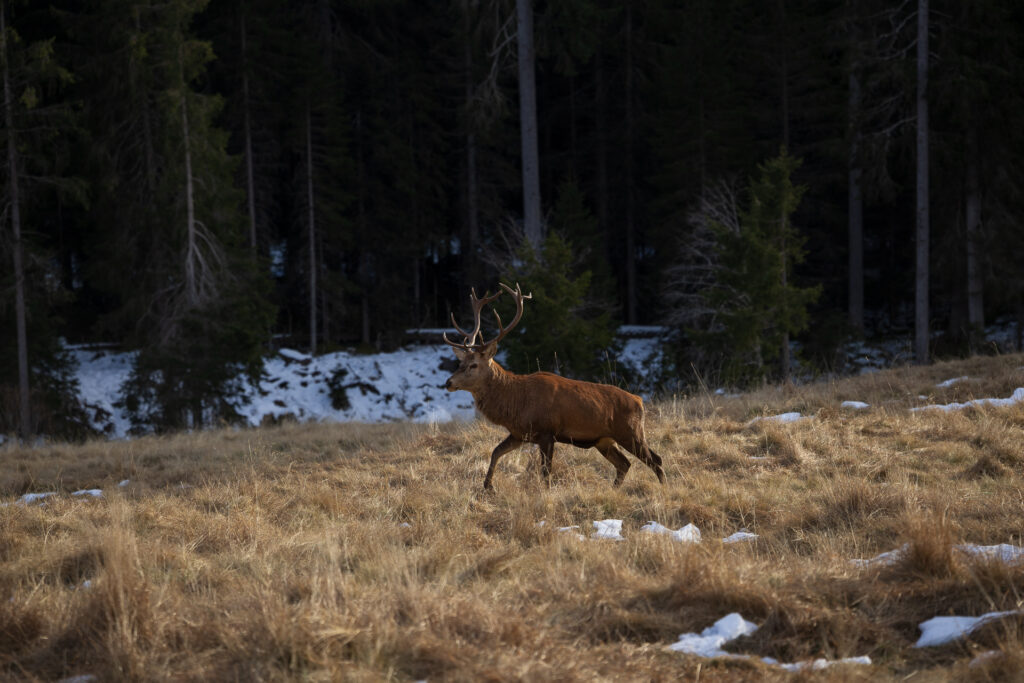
(887, 558)
(405, 525)
(950, 382)
(40, 498)
(709, 642)
(608, 529)
(95, 493)
(686, 534)
(571, 530)
(292, 354)
(854, 405)
(80, 678)
(1015, 398)
(100, 375)
(817, 664)
(123, 482)
(784, 418)
(739, 537)
(1003, 552)
(942, 630)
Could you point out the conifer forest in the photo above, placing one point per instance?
(203, 181)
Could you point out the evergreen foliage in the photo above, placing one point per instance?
(370, 151)
(755, 299)
(564, 329)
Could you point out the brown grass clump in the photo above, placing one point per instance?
(369, 552)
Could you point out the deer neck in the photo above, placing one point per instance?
(495, 398)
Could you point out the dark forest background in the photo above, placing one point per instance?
(199, 181)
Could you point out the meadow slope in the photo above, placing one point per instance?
(369, 552)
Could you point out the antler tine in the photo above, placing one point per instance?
(478, 306)
(518, 295)
(449, 342)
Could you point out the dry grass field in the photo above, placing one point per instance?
(370, 552)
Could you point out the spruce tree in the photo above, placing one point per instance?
(756, 302)
(568, 325)
(201, 305)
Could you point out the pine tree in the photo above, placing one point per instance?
(567, 328)
(757, 304)
(200, 304)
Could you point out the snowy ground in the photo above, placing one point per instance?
(407, 384)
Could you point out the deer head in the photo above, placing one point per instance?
(474, 354)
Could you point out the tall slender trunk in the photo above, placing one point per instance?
(191, 278)
(250, 185)
(364, 259)
(784, 78)
(528, 123)
(975, 280)
(147, 127)
(24, 405)
(472, 180)
(630, 204)
(312, 230)
(855, 217)
(784, 71)
(923, 229)
(601, 143)
(785, 361)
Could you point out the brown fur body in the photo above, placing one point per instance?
(544, 408)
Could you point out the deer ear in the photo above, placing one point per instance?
(460, 353)
(489, 350)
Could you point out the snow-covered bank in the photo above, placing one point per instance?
(407, 384)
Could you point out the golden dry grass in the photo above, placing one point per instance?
(280, 553)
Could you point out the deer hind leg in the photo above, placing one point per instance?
(547, 456)
(612, 454)
(637, 445)
(510, 443)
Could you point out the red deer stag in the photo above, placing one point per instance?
(543, 408)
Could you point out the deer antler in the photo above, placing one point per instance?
(470, 338)
(519, 297)
(478, 304)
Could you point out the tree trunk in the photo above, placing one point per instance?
(24, 406)
(784, 71)
(975, 280)
(472, 179)
(786, 362)
(528, 124)
(191, 251)
(312, 231)
(147, 128)
(630, 213)
(921, 282)
(855, 218)
(601, 143)
(250, 185)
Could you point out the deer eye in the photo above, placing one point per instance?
(472, 366)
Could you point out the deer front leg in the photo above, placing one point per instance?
(547, 454)
(510, 442)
